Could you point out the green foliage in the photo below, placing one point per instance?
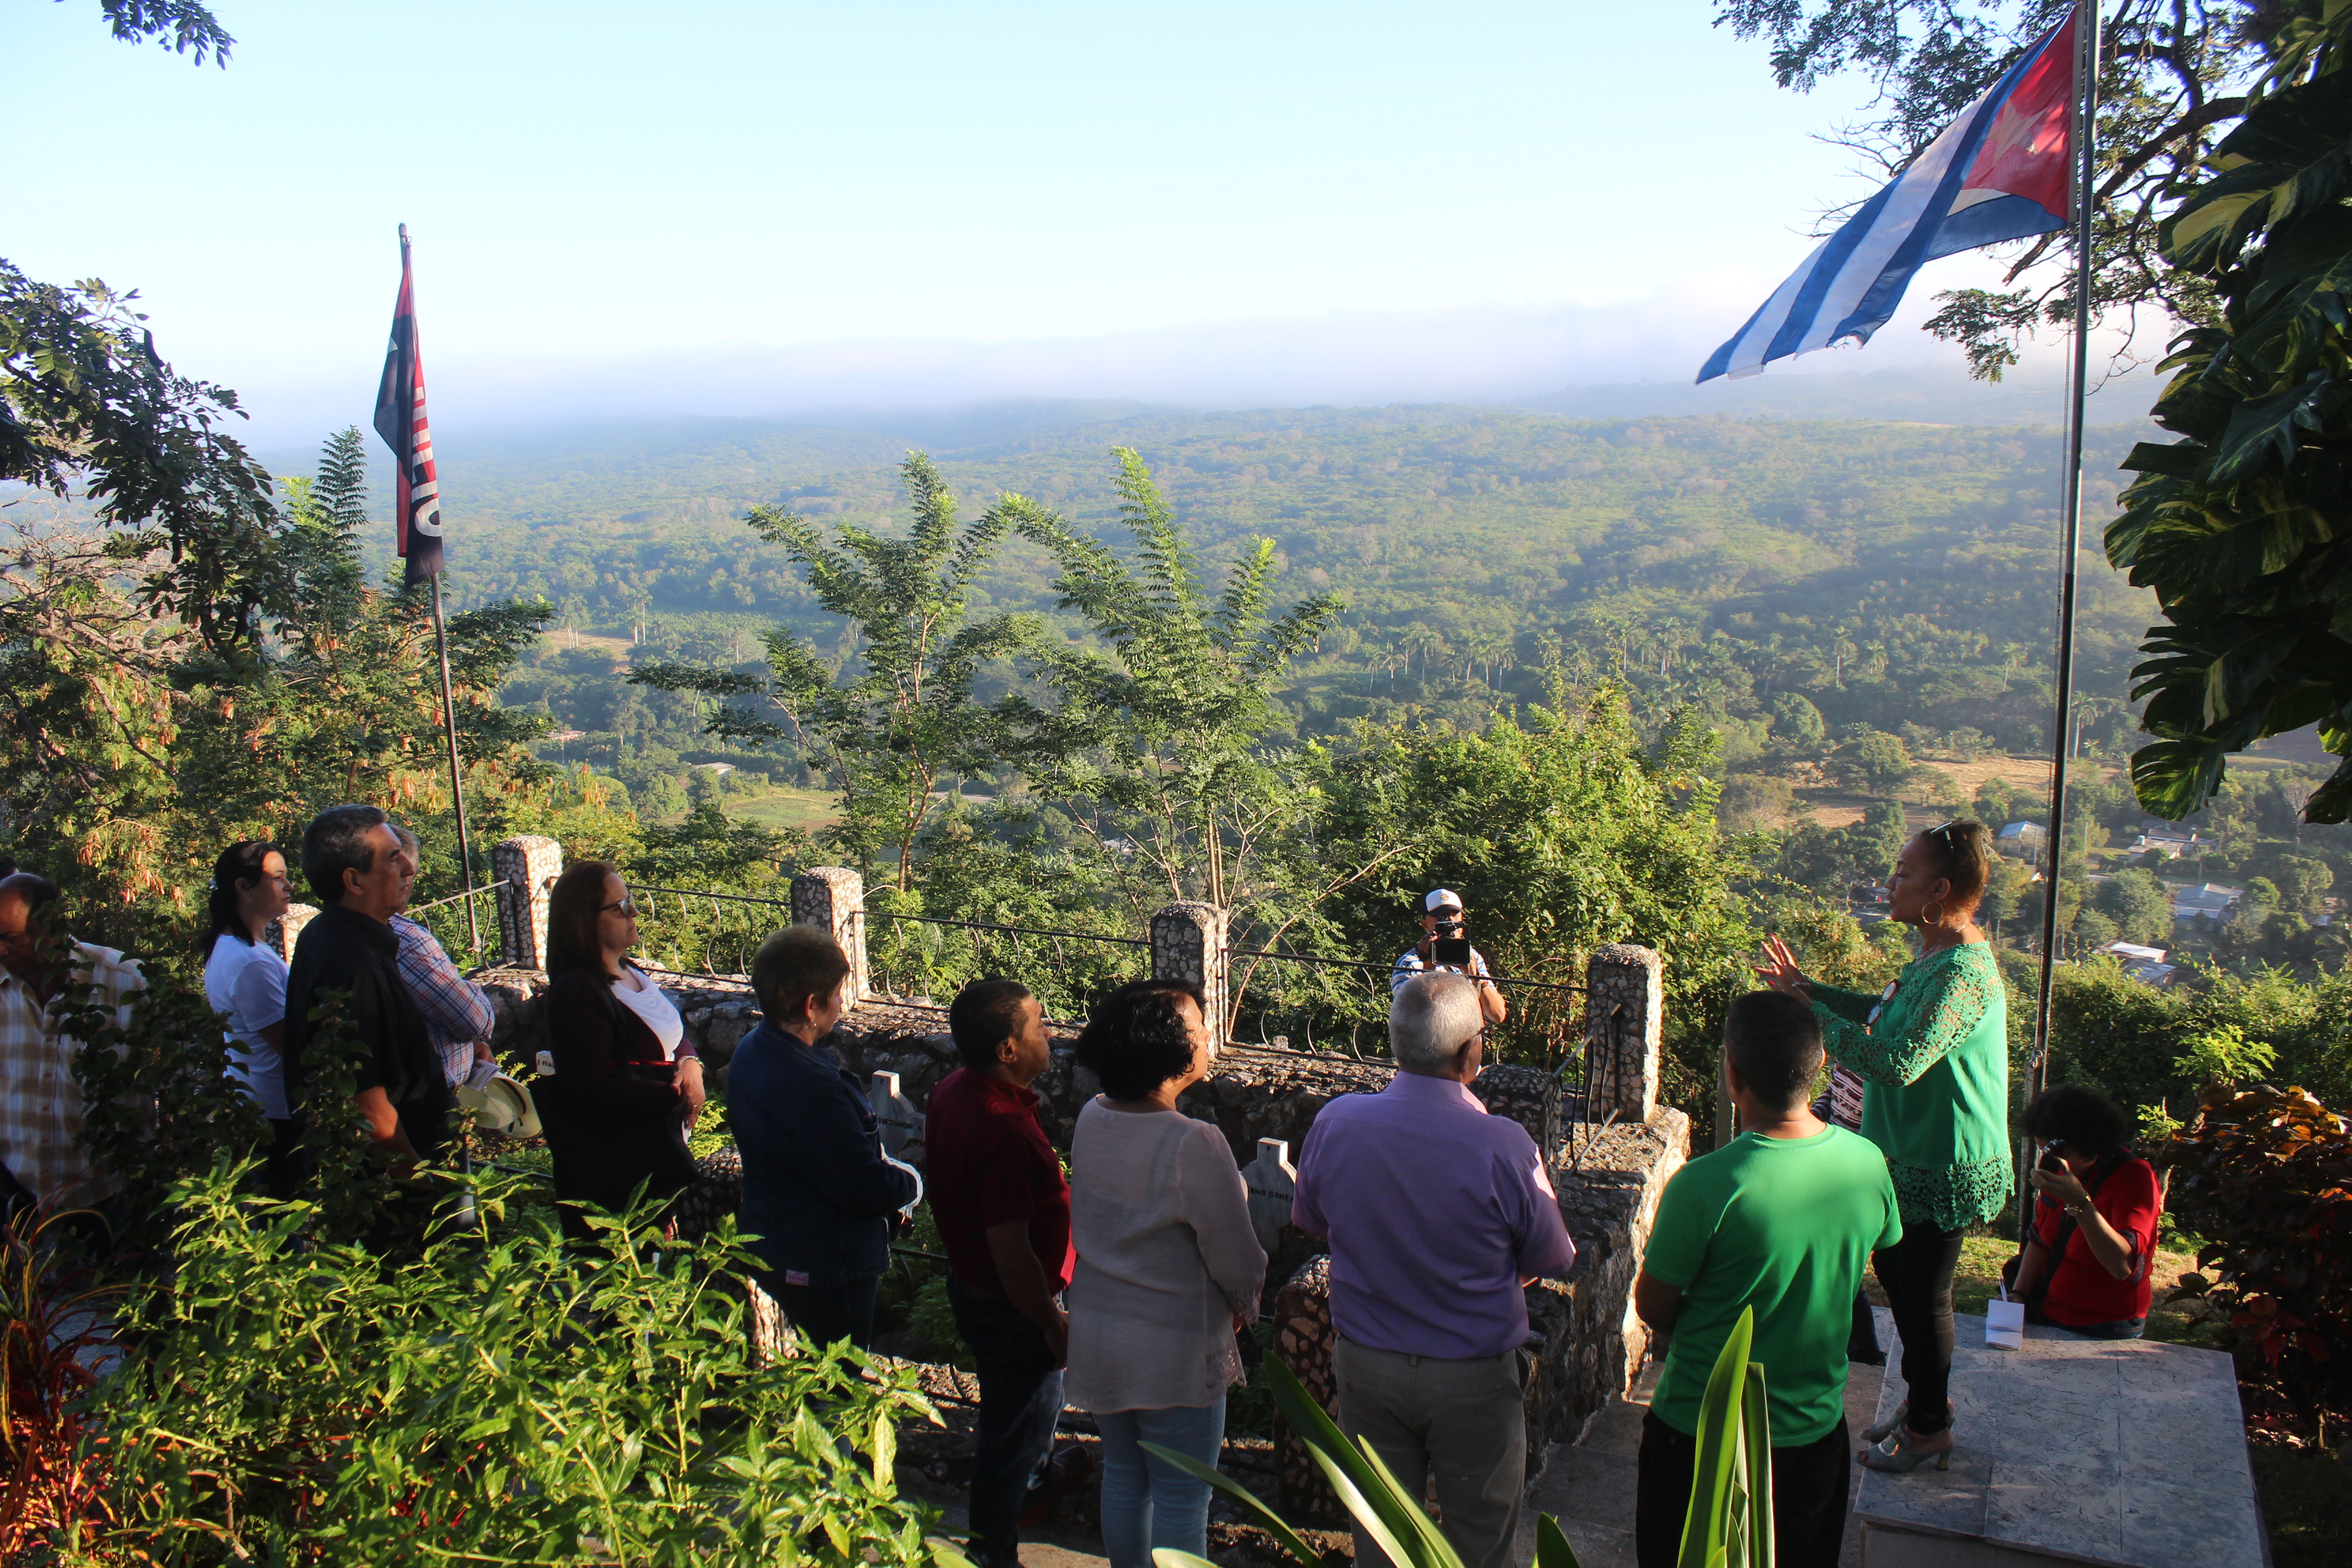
(2268, 1175)
(88, 407)
(2223, 1054)
(1797, 725)
(2129, 1038)
(157, 1099)
(1562, 832)
(494, 1398)
(906, 721)
(125, 734)
(1876, 760)
(2139, 904)
(2238, 526)
(1154, 745)
(185, 26)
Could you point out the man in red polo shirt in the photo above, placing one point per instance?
(1003, 1211)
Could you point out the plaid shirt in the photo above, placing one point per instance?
(456, 1014)
(40, 1104)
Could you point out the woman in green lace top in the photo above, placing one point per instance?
(1932, 1052)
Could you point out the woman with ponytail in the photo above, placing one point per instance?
(244, 982)
(1932, 1051)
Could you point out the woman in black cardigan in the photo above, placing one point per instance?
(628, 1083)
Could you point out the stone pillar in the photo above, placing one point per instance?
(1188, 942)
(833, 899)
(1303, 1337)
(900, 1124)
(1624, 1026)
(524, 872)
(1272, 1181)
(286, 929)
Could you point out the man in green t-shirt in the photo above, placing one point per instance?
(1783, 1219)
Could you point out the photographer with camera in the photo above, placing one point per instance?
(1444, 949)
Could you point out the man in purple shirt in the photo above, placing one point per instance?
(1438, 1215)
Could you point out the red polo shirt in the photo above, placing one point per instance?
(986, 1163)
(2083, 1291)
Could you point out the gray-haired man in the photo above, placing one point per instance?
(1438, 1215)
(357, 867)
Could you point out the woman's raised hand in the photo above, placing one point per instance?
(1779, 969)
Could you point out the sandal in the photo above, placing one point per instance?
(1893, 1424)
(1894, 1456)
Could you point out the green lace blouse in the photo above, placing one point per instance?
(1936, 1064)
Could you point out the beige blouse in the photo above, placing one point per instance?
(1166, 1257)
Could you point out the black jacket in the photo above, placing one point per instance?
(817, 1190)
(340, 951)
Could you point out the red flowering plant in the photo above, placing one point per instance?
(2267, 1176)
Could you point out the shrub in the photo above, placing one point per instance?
(2268, 1175)
(496, 1398)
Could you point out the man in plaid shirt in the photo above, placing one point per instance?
(458, 1015)
(40, 1104)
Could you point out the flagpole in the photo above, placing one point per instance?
(448, 699)
(2086, 61)
(457, 781)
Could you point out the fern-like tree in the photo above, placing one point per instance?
(899, 717)
(1155, 745)
(2244, 527)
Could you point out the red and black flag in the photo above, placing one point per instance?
(400, 420)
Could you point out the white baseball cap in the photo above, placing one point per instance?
(1441, 899)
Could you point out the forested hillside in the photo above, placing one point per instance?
(1893, 573)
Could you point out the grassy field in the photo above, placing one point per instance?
(779, 808)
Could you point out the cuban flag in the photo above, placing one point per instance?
(400, 420)
(2001, 170)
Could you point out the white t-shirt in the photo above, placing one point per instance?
(245, 984)
(1409, 964)
(652, 1004)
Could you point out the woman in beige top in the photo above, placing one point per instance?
(1168, 1269)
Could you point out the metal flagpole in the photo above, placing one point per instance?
(457, 781)
(2086, 66)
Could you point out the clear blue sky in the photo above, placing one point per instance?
(597, 185)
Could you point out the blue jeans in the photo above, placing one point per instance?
(1149, 1504)
(1020, 1400)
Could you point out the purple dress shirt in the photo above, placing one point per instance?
(1434, 1211)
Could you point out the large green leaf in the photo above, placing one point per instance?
(1552, 1550)
(1707, 1523)
(1268, 1520)
(1399, 1516)
(2173, 778)
(2291, 156)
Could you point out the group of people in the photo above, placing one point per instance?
(1785, 1219)
(1119, 1286)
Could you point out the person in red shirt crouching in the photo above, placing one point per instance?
(2096, 1216)
(1003, 1211)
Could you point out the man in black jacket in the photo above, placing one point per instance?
(354, 862)
(818, 1192)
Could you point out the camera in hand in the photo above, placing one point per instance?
(1453, 950)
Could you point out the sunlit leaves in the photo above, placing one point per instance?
(2241, 527)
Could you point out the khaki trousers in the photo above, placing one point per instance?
(1464, 1421)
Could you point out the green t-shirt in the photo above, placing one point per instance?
(1785, 1226)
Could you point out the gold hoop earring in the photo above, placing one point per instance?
(1935, 920)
